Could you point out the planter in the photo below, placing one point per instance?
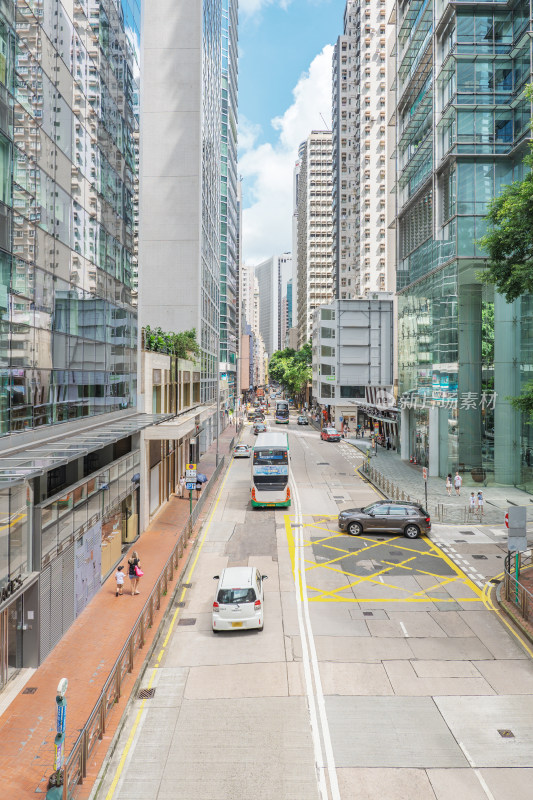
(478, 474)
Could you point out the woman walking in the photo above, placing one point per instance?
(134, 567)
(449, 484)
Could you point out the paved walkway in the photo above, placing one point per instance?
(86, 656)
(408, 478)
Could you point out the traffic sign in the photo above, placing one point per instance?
(190, 486)
(190, 473)
(190, 466)
(425, 473)
(506, 519)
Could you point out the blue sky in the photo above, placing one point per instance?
(284, 85)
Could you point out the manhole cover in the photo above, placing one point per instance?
(479, 557)
(146, 694)
(186, 585)
(505, 733)
(467, 533)
(29, 690)
(180, 604)
(187, 621)
(368, 613)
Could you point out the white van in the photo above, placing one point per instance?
(238, 599)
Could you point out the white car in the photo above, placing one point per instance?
(238, 599)
(242, 451)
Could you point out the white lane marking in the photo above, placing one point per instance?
(404, 630)
(311, 669)
(477, 773)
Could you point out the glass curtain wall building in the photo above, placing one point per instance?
(462, 125)
(68, 98)
(229, 199)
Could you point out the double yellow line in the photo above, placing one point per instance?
(127, 746)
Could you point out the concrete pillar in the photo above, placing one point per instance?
(433, 443)
(507, 422)
(469, 378)
(444, 466)
(404, 434)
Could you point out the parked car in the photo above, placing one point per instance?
(330, 435)
(242, 451)
(386, 516)
(238, 599)
(302, 420)
(259, 427)
(251, 415)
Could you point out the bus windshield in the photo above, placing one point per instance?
(271, 456)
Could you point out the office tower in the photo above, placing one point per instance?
(295, 181)
(272, 276)
(361, 244)
(179, 243)
(229, 209)
(462, 129)
(314, 223)
(69, 434)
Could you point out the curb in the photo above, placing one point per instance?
(169, 612)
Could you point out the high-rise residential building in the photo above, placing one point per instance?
(462, 129)
(69, 432)
(314, 226)
(272, 276)
(362, 244)
(229, 205)
(179, 243)
(295, 181)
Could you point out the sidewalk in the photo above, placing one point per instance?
(86, 656)
(408, 478)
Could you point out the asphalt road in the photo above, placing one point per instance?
(382, 671)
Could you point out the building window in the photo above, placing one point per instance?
(353, 392)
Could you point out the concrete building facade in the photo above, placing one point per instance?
(314, 230)
(363, 247)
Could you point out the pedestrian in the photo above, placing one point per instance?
(388, 442)
(134, 568)
(449, 484)
(480, 503)
(182, 486)
(472, 503)
(198, 489)
(457, 482)
(119, 579)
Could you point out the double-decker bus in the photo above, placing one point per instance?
(282, 412)
(271, 470)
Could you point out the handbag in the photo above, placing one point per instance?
(138, 571)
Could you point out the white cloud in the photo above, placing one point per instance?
(267, 168)
(251, 7)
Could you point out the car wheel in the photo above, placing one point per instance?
(355, 529)
(412, 532)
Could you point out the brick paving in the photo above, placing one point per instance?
(408, 477)
(86, 656)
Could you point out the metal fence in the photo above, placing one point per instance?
(75, 769)
(514, 590)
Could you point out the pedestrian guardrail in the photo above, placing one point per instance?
(514, 590)
(75, 769)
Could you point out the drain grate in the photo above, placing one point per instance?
(459, 541)
(479, 557)
(296, 525)
(467, 533)
(186, 585)
(337, 497)
(146, 694)
(505, 733)
(29, 690)
(322, 463)
(187, 621)
(368, 613)
(180, 604)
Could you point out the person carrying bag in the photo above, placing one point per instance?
(134, 572)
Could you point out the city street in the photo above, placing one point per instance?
(382, 671)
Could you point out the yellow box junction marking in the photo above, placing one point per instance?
(338, 553)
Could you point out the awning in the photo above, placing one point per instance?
(31, 462)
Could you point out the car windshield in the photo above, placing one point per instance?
(242, 448)
(229, 596)
(331, 430)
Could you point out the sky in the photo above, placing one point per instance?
(285, 50)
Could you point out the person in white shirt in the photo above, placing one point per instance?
(181, 486)
(457, 482)
(119, 578)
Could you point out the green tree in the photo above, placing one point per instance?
(181, 345)
(291, 368)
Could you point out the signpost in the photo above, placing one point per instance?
(190, 478)
(55, 791)
(516, 521)
(425, 476)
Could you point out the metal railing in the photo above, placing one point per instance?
(513, 590)
(75, 768)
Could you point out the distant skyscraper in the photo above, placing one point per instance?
(315, 266)
(229, 211)
(272, 276)
(179, 284)
(362, 149)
